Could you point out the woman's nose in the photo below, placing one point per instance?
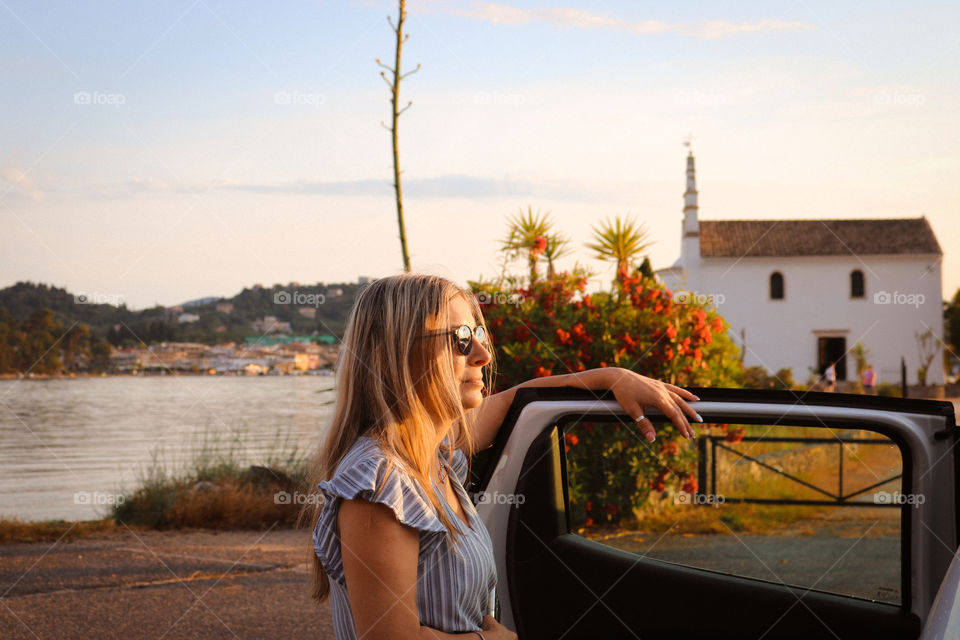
(478, 357)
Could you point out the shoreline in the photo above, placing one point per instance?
(199, 374)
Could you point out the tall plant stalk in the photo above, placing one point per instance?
(394, 85)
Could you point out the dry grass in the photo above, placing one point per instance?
(13, 530)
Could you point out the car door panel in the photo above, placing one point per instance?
(555, 583)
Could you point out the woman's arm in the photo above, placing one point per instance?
(380, 567)
(633, 391)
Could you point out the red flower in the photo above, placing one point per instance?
(671, 331)
(540, 372)
(571, 439)
(563, 336)
(690, 486)
(717, 324)
(539, 245)
(735, 436)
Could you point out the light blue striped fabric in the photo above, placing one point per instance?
(454, 588)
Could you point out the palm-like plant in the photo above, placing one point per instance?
(619, 241)
(529, 236)
(558, 246)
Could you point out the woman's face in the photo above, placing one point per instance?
(467, 368)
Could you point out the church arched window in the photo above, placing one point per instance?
(776, 286)
(856, 284)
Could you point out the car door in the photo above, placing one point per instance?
(863, 560)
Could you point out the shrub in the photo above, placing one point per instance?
(552, 326)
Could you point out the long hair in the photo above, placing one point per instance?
(392, 385)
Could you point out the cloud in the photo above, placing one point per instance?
(16, 181)
(445, 186)
(502, 14)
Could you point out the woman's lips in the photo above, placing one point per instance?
(477, 382)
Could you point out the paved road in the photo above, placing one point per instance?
(237, 584)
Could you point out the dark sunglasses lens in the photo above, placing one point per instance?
(464, 339)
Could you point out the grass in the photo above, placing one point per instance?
(219, 488)
(15, 530)
(736, 477)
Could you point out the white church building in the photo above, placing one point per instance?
(800, 294)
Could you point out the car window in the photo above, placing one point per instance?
(816, 507)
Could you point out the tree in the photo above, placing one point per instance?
(619, 241)
(529, 236)
(395, 116)
(951, 319)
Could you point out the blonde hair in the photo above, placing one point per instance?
(392, 384)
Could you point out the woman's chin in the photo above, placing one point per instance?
(472, 398)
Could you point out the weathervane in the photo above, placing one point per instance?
(688, 141)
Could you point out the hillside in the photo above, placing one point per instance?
(219, 319)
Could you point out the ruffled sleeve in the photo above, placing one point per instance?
(363, 474)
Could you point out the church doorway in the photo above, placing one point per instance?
(832, 350)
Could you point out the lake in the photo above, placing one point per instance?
(68, 447)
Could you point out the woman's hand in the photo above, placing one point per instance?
(635, 393)
(493, 630)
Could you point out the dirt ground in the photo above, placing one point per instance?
(237, 584)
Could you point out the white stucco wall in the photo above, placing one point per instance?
(817, 302)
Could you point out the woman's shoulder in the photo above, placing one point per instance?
(369, 473)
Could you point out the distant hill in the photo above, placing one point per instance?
(329, 303)
(199, 302)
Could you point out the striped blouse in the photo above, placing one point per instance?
(454, 589)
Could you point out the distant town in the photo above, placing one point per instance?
(271, 355)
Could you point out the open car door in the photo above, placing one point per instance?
(824, 515)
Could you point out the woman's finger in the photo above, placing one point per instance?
(635, 410)
(646, 428)
(687, 409)
(683, 393)
(672, 411)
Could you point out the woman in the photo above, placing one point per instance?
(400, 549)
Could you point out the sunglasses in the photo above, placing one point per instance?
(463, 337)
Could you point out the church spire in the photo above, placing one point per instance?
(691, 226)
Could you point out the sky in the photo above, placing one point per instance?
(163, 152)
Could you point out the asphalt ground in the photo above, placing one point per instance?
(150, 584)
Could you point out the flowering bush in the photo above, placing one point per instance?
(552, 326)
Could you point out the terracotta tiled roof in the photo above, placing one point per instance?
(738, 238)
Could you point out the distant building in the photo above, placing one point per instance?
(335, 292)
(225, 307)
(184, 318)
(270, 324)
(803, 293)
(308, 312)
(363, 280)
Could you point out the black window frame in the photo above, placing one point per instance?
(858, 283)
(777, 285)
